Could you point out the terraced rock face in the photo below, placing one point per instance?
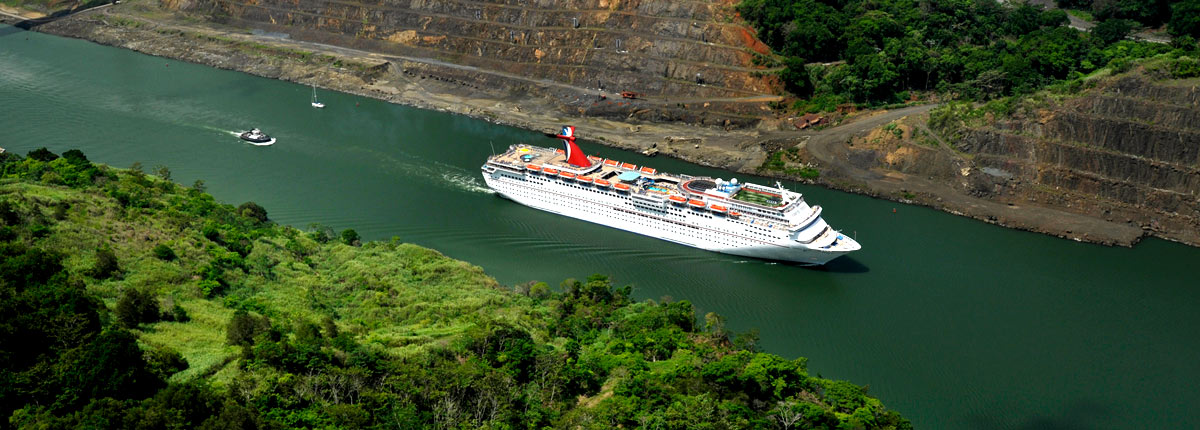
(667, 48)
(1127, 151)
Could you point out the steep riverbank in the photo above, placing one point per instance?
(740, 143)
(162, 302)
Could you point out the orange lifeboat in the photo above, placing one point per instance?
(621, 187)
(677, 199)
(629, 166)
(735, 214)
(594, 158)
(718, 209)
(602, 183)
(550, 171)
(613, 163)
(533, 168)
(696, 204)
(648, 170)
(584, 179)
(559, 151)
(567, 175)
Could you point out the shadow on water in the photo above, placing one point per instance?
(844, 264)
(29, 24)
(7, 30)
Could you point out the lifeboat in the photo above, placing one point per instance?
(533, 168)
(559, 151)
(696, 204)
(621, 187)
(718, 209)
(677, 199)
(735, 214)
(628, 166)
(566, 175)
(584, 179)
(550, 171)
(649, 170)
(602, 183)
(594, 158)
(612, 163)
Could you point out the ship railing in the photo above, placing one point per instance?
(812, 217)
(815, 237)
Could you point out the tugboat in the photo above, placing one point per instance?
(257, 137)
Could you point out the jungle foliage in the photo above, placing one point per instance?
(245, 324)
(965, 49)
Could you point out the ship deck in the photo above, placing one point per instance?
(664, 185)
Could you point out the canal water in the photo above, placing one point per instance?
(952, 322)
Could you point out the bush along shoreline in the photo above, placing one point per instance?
(129, 301)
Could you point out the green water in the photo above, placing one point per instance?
(955, 323)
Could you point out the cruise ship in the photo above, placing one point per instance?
(730, 217)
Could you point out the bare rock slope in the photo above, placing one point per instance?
(1125, 152)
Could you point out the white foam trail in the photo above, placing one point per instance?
(466, 183)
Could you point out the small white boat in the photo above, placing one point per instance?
(257, 137)
(316, 103)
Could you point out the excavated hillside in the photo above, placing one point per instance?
(666, 50)
(1125, 152)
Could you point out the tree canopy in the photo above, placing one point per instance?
(970, 49)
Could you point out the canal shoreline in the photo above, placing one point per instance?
(536, 105)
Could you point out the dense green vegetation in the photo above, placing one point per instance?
(127, 301)
(964, 49)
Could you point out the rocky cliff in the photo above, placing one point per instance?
(1125, 151)
(659, 48)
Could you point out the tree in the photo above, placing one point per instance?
(253, 211)
(164, 252)
(350, 237)
(243, 327)
(42, 154)
(106, 264)
(1185, 18)
(1074, 4)
(163, 172)
(137, 306)
(76, 157)
(796, 78)
(1111, 31)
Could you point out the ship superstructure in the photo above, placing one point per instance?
(724, 216)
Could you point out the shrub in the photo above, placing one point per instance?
(1113, 30)
(253, 211)
(42, 154)
(164, 362)
(1185, 67)
(106, 264)
(76, 157)
(350, 237)
(164, 252)
(243, 327)
(136, 306)
(176, 314)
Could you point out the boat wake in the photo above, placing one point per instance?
(441, 174)
(465, 182)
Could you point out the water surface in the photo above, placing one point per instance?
(953, 322)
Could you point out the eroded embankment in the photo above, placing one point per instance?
(1125, 153)
(687, 130)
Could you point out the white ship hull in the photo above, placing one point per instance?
(744, 236)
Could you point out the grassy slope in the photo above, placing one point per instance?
(398, 296)
(398, 299)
